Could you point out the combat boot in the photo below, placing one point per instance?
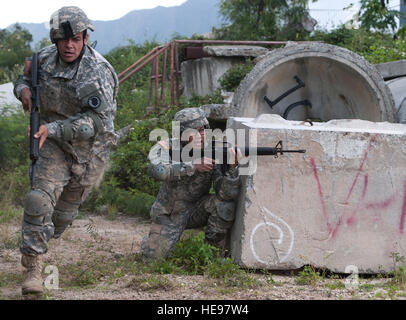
(33, 275)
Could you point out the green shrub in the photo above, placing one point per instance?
(13, 137)
(131, 202)
(130, 160)
(194, 254)
(380, 53)
(233, 77)
(308, 276)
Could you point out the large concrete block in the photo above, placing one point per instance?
(201, 76)
(341, 203)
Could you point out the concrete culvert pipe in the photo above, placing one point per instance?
(321, 82)
(397, 87)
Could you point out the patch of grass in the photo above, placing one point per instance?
(191, 256)
(367, 287)
(10, 213)
(399, 270)
(151, 283)
(9, 279)
(308, 276)
(84, 274)
(337, 284)
(9, 239)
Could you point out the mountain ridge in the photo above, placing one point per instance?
(158, 24)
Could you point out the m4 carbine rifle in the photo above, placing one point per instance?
(221, 153)
(32, 68)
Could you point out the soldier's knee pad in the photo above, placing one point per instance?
(37, 207)
(61, 220)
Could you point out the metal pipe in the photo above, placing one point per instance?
(177, 74)
(137, 62)
(156, 80)
(172, 74)
(143, 64)
(164, 76)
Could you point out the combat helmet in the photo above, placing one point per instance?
(68, 21)
(191, 118)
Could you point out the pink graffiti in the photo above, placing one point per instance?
(323, 203)
(361, 202)
(381, 205)
(403, 215)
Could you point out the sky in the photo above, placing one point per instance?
(327, 12)
(40, 11)
(330, 13)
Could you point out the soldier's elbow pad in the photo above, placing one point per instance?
(158, 172)
(85, 132)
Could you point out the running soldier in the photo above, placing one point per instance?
(78, 90)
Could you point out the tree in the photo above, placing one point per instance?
(14, 46)
(375, 14)
(45, 42)
(263, 19)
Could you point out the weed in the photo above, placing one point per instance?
(111, 212)
(308, 276)
(337, 284)
(399, 269)
(8, 279)
(367, 287)
(151, 283)
(8, 239)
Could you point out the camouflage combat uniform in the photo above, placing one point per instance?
(184, 200)
(77, 105)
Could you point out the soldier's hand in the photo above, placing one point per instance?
(26, 97)
(42, 134)
(234, 157)
(205, 165)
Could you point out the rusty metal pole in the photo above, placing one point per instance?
(150, 85)
(163, 76)
(143, 64)
(177, 74)
(121, 74)
(156, 65)
(172, 75)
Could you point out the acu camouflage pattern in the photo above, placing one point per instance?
(192, 118)
(76, 17)
(184, 202)
(67, 170)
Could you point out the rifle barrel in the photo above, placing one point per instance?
(268, 151)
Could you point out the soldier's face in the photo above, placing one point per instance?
(70, 48)
(197, 137)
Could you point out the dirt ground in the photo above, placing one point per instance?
(98, 240)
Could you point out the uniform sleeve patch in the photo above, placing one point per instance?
(94, 102)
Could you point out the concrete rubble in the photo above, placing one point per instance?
(394, 69)
(202, 76)
(235, 51)
(341, 204)
(7, 98)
